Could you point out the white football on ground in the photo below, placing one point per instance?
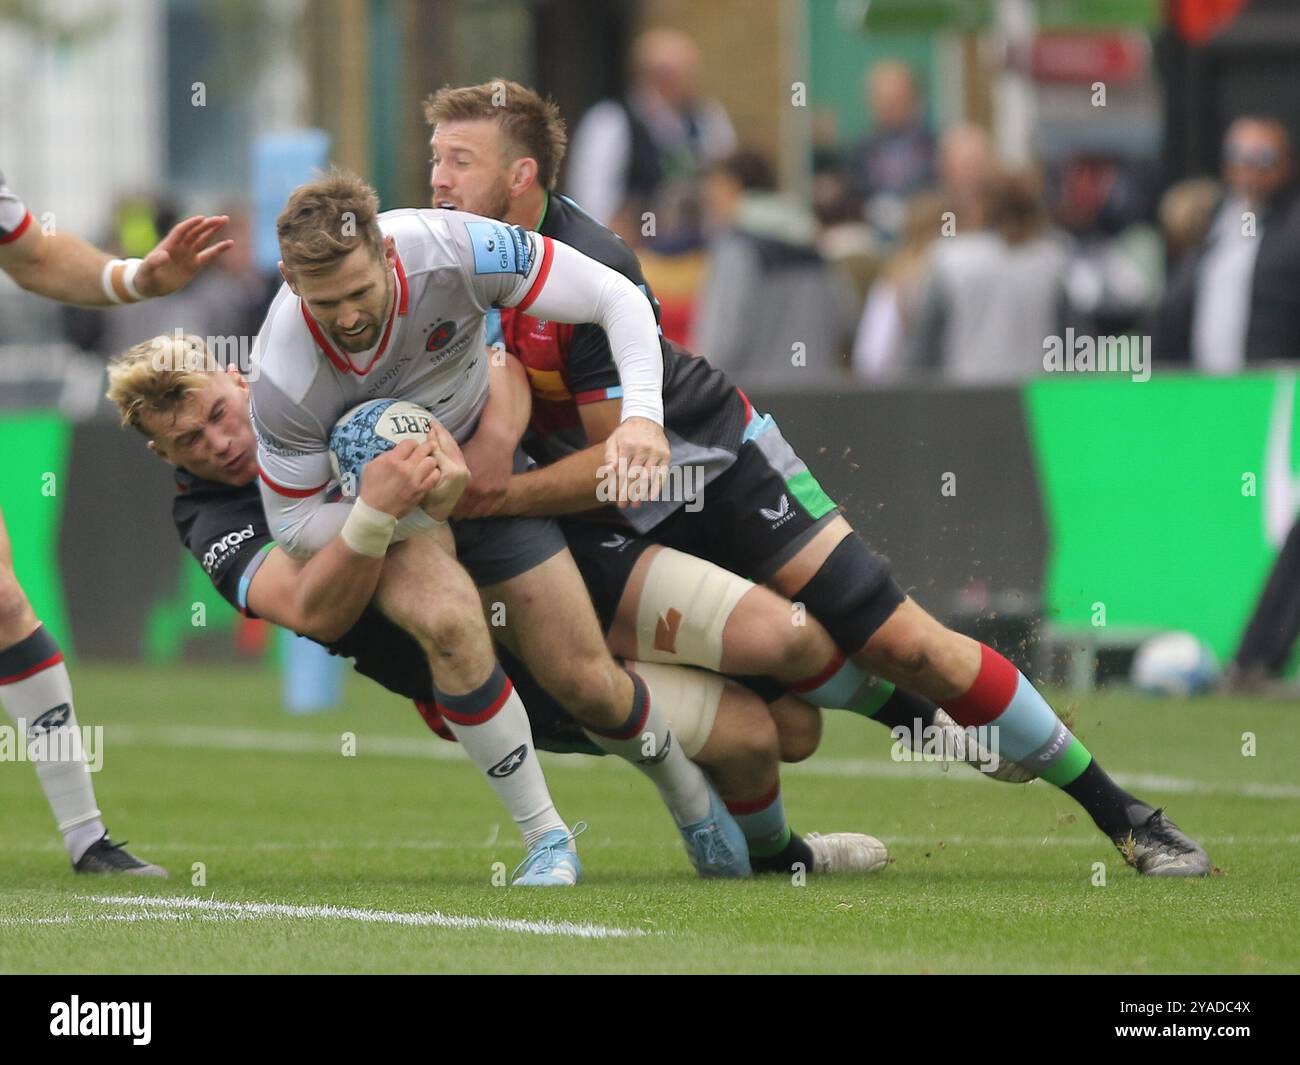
(1174, 663)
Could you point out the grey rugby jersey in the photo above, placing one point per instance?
(452, 267)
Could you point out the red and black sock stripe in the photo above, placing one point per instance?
(635, 723)
(478, 706)
(29, 656)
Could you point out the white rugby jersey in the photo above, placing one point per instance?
(14, 216)
(452, 267)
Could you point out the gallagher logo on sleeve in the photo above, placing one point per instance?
(498, 248)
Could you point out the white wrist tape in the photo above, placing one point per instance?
(128, 278)
(130, 267)
(106, 280)
(368, 531)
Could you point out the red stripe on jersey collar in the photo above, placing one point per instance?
(340, 359)
(535, 289)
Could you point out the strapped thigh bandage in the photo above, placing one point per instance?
(684, 606)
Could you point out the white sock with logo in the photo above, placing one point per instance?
(37, 694)
(492, 725)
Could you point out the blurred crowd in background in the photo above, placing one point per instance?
(916, 251)
(920, 252)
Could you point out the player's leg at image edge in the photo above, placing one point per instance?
(37, 694)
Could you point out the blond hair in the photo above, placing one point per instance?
(530, 124)
(155, 376)
(326, 220)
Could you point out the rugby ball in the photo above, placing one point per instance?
(370, 429)
(1174, 663)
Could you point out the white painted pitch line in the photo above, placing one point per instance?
(276, 741)
(280, 741)
(1181, 786)
(432, 919)
(215, 911)
(1092, 839)
(285, 742)
(961, 774)
(101, 918)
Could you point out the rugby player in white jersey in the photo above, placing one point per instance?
(392, 306)
(34, 685)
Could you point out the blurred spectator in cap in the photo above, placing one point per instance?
(647, 151)
(1233, 300)
(993, 297)
(897, 158)
(771, 305)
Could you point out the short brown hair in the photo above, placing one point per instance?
(155, 376)
(326, 220)
(529, 123)
(1015, 206)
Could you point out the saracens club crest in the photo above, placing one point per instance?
(440, 335)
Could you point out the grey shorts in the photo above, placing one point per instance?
(496, 549)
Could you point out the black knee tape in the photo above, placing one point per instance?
(852, 594)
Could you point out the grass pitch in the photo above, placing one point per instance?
(313, 861)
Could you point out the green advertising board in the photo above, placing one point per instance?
(933, 16)
(39, 475)
(1156, 505)
(32, 489)
(1165, 499)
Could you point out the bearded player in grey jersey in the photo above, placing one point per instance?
(393, 306)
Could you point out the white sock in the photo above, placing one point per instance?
(37, 694)
(645, 740)
(491, 724)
